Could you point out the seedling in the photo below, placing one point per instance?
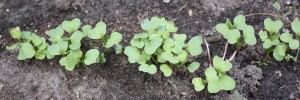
(277, 43)
(155, 47)
(66, 45)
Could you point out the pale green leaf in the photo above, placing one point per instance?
(277, 56)
(76, 40)
(12, 47)
(179, 41)
(58, 48)
(166, 70)
(119, 49)
(151, 69)
(133, 53)
(15, 32)
(194, 46)
(213, 87)
(286, 37)
(98, 32)
(277, 6)
(221, 65)
(296, 27)
(85, 29)
(154, 43)
(168, 56)
(232, 36)
(211, 74)
(182, 56)
(273, 26)
(114, 38)
(226, 83)
(168, 45)
(294, 44)
(56, 34)
(28, 50)
(39, 55)
(91, 56)
(240, 22)
(193, 67)
(71, 26)
(263, 35)
(198, 84)
(267, 43)
(248, 33)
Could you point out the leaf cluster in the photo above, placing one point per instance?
(155, 47)
(216, 78)
(232, 31)
(66, 41)
(278, 43)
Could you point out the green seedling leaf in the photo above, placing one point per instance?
(85, 29)
(59, 48)
(143, 58)
(39, 55)
(275, 36)
(26, 35)
(15, 33)
(193, 67)
(168, 56)
(102, 59)
(137, 43)
(211, 74)
(36, 40)
(288, 57)
(119, 49)
(27, 50)
(115, 38)
(213, 87)
(71, 60)
(151, 69)
(226, 83)
(48, 55)
(155, 22)
(133, 53)
(221, 65)
(280, 49)
(273, 26)
(198, 84)
(166, 70)
(43, 45)
(154, 43)
(140, 36)
(171, 27)
(277, 56)
(56, 34)
(97, 32)
(169, 44)
(229, 24)
(267, 43)
(12, 47)
(222, 28)
(294, 44)
(296, 27)
(232, 36)
(240, 22)
(182, 56)
(76, 40)
(248, 33)
(194, 46)
(179, 40)
(263, 35)
(277, 6)
(91, 56)
(286, 37)
(71, 26)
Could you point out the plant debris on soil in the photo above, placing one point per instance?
(117, 78)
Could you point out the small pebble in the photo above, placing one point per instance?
(1, 87)
(190, 12)
(166, 1)
(7, 10)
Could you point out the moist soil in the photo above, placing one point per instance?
(117, 78)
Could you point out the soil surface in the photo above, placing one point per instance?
(117, 78)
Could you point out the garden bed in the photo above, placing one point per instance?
(117, 78)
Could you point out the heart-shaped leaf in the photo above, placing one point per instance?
(133, 53)
(71, 60)
(294, 44)
(221, 65)
(91, 56)
(198, 84)
(248, 33)
(226, 83)
(137, 43)
(27, 50)
(39, 55)
(286, 37)
(15, 33)
(296, 27)
(169, 44)
(76, 40)
(97, 32)
(71, 26)
(193, 67)
(143, 58)
(168, 56)
(182, 56)
(115, 38)
(273, 26)
(263, 35)
(59, 48)
(232, 36)
(240, 22)
(153, 44)
(211, 74)
(213, 87)
(85, 30)
(222, 28)
(179, 41)
(56, 34)
(151, 69)
(194, 46)
(277, 56)
(166, 70)
(267, 43)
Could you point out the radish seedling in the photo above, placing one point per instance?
(155, 47)
(278, 43)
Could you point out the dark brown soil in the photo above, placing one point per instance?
(117, 78)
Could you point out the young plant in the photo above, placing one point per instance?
(30, 45)
(154, 47)
(67, 45)
(216, 78)
(277, 43)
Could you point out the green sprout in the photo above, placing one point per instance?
(68, 46)
(155, 47)
(277, 6)
(216, 78)
(276, 43)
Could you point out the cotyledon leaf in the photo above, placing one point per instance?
(194, 46)
(198, 84)
(166, 70)
(114, 38)
(91, 56)
(71, 26)
(133, 53)
(179, 41)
